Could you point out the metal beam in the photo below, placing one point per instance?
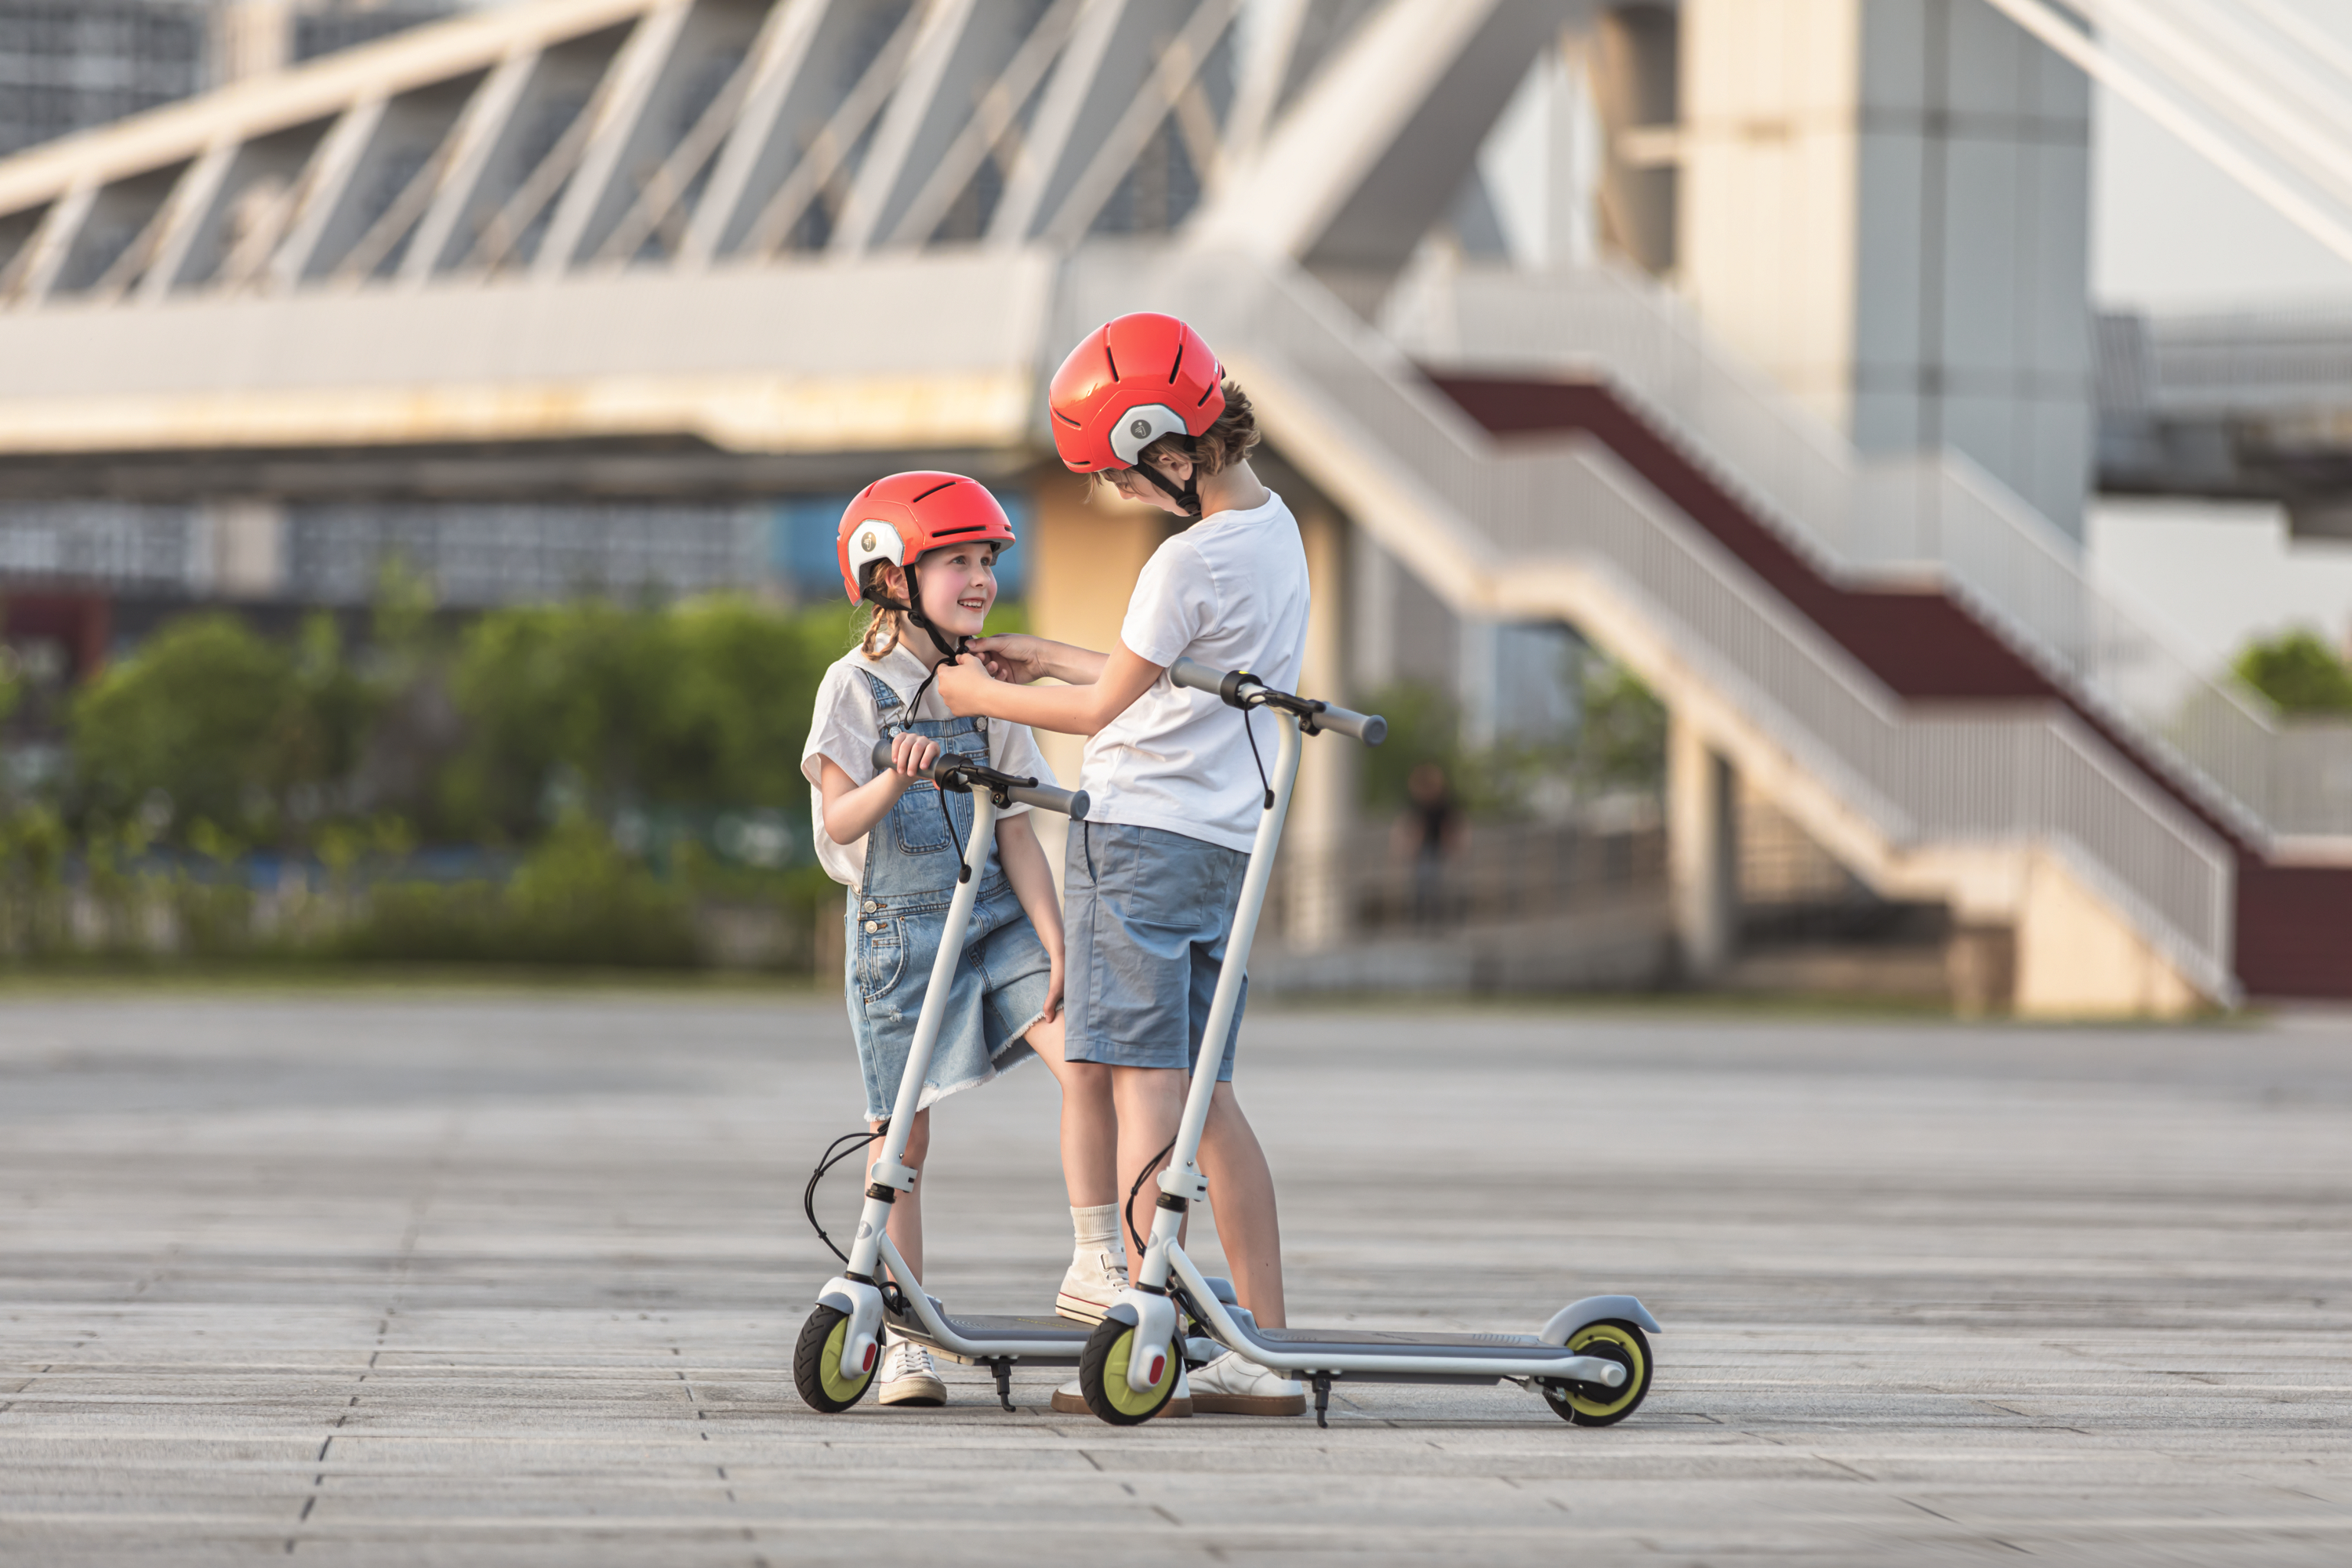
(934, 101)
(1263, 72)
(619, 104)
(991, 125)
(1081, 98)
(472, 141)
(46, 252)
(776, 60)
(263, 106)
(822, 161)
(1177, 66)
(325, 185)
(192, 203)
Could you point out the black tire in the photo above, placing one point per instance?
(816, 1364)
(1102, 1376)
(1592, 1403)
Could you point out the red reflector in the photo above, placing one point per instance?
(1159, 1365)
(869, 1359)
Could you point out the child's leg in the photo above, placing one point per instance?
(1241, 1192)
(1089, 1129)
(907, 1215)
(1151, 1103)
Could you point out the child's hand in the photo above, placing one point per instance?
(1015, 656)
(1054, 984)
(960, 686)
(911, 755)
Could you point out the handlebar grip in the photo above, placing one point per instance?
(1369, 728)
(1191, 672)
(1070, 802)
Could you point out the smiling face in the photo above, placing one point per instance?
(959, 587)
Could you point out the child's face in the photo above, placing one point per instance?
(958, 586)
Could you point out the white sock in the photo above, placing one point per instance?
(1097, 1230)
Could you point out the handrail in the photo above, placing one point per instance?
(1862, 522)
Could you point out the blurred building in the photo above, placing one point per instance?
(1750, 338)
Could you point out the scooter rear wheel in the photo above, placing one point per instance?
(817, 1363)
(1592, 1405)
(1102, 1376)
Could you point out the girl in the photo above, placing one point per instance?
(1154, 872)
(920, 550)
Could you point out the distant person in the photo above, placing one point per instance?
(898, 845)
(1432, 829)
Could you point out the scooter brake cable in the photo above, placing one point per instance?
(825, 1164)
(1140, 1178)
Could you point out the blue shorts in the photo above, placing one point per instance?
(1148, 913)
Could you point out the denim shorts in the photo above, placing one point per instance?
(1148, 912)
(998, 992)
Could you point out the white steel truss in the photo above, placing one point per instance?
(558, 137)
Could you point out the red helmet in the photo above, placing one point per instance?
(901, 518)
(1131, 382)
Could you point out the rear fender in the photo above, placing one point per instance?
(1593, 1310)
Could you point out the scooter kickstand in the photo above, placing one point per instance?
(1003, 1369)
(1322, 1398)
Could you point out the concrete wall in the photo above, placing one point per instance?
(1886, 204)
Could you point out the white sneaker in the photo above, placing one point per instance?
(909, 1377)
(1070, 1399)
(1232, 1386)
(1091, 1286)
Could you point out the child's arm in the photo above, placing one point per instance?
(1123, 675)
(1023, 859)
(1022, 658)
(851, 810)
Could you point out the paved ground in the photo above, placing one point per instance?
(514, 1279)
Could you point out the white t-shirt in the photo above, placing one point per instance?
(1230, 591)
(844, 725)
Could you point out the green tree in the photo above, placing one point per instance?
(223, 725)
(2298, 672)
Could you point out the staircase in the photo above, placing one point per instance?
(1946, 709)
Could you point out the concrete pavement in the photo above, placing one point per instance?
(483, 1277)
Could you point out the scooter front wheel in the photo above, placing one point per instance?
(1596, 1404)
(1102, 1374)
(817, 1363)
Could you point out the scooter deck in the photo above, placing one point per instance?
(1386, 1339)
(1043, 1340)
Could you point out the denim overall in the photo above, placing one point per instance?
(895, 918)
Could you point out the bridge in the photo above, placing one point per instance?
(696, 253)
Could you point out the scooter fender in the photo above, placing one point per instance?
(1593, 1310)
(1154, 1318)
(862, 1304)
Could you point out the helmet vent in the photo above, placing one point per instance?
(1204, 396)
(1178, 365)
(1110, 358)
(930, 493)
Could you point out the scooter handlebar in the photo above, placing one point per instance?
(1242, 690)
(1070, 802)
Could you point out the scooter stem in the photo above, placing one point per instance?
(1182, 1177)
(889, 1168)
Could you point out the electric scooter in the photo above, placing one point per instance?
(1592, 1363)
(840, 1342)
(833, 1363)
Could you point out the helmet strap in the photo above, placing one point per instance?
(948, 651)
(1187, 497)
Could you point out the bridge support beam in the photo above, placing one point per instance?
(1702, 851)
